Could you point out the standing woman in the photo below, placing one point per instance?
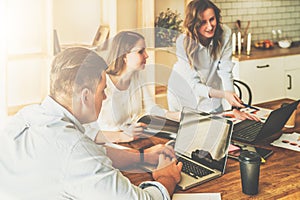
(202, 76)
(127, 93)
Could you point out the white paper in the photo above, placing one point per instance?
(288, 141)
(197, 196)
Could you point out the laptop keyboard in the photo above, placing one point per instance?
(193, 169)
(246, 130)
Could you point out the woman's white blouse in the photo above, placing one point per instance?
(125, 106)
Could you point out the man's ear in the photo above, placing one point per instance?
(85, 96)
(84, 109)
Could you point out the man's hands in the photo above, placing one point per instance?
(168, 167)
(168, 172)
(151, 155)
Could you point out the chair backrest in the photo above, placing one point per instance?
(243, 91)
(56, 44)
(101, 36)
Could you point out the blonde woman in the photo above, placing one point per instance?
(127, 92)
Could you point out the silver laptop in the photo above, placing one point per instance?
(202, 145)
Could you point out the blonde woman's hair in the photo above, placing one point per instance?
(121, 45)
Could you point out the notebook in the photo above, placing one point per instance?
(251, 131)
(202, 145)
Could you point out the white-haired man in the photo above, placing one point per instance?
(46, 154)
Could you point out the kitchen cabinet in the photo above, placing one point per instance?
(264, 76)
(292, 76)
(270, 78)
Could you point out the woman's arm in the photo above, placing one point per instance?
(224, 70)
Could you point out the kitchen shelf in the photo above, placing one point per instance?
(269, 53)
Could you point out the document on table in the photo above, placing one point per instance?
(288, 141)
(196, 196)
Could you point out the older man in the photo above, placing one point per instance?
(45, 153)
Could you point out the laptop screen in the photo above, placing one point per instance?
(203, 138)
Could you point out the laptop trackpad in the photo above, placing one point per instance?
(188, 181)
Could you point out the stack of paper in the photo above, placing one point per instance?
(196, 196)
(288, 141)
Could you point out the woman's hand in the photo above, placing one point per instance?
(233, 99)
(136, 130)
(243, 115)
(230, 96)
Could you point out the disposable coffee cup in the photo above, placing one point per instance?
(291, 121)
(249, 169)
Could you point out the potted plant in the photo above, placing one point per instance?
(167, 28)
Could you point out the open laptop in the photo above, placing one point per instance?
(250, 131)
(201, 145)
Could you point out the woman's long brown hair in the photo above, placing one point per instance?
(192, 23)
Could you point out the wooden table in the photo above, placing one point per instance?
(279, 176)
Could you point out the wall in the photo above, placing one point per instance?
(265, 15)
(126, 15)
(172, 4)
(76, 24)
(27, 52)
(3, 60)
(165, 59)
(76, 21)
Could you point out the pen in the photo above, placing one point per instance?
(248, 106)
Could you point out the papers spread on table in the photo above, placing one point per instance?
(288, 141)
(196, 196)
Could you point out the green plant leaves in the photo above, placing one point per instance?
(167, 28)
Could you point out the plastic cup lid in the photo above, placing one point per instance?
(249, 156)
